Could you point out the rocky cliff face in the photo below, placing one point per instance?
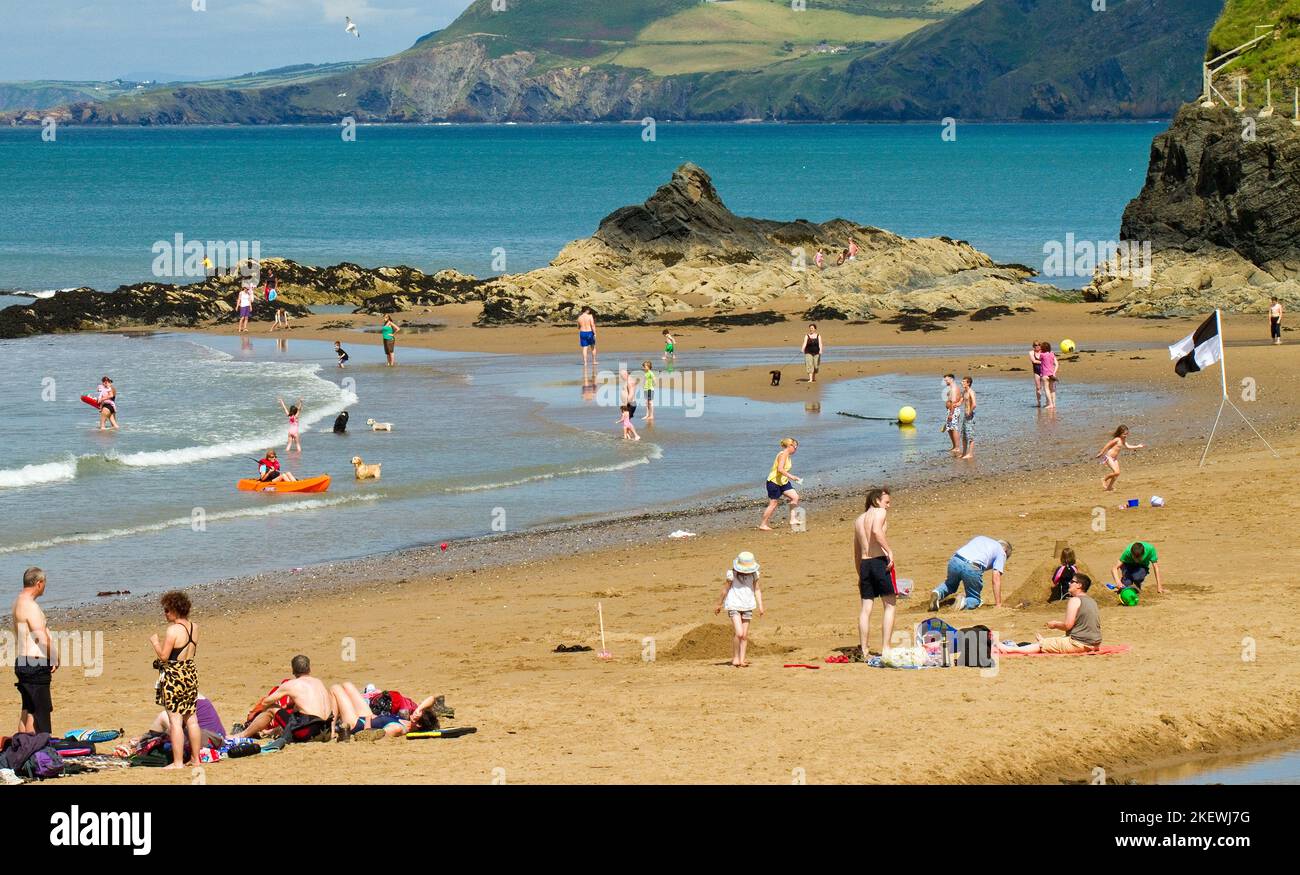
(1221, 208)
(683, 250)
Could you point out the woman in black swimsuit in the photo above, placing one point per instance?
(177, 690)
(812, 352)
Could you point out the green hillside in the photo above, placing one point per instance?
(1277, 58)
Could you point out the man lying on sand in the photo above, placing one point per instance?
(1082, 625)
(300, 708)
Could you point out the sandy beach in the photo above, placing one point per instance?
(668, 708)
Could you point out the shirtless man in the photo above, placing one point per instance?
(587, 336)
(301, 707)
(36, 661)
(1275, 320)
(967, 418)
(627, 386)
(951, 402)
(872, 560)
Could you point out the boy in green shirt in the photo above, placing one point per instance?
(649, 392)
(1137, 560)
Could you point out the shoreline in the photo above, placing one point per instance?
(501, 676)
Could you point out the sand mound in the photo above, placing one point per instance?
(1035, 588)
(713, 641)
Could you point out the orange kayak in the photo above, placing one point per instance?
(306, 484)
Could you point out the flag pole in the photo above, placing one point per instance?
(1223, 376)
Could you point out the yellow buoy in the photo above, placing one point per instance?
(1067, 345)
(907, 415)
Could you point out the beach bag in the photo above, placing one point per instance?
(242, 747)
(45, 763)
(975, 647)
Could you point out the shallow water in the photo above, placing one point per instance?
(480, 443)
(1278, 767)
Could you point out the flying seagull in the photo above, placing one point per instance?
(352, 27)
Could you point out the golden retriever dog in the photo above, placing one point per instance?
(364, 471)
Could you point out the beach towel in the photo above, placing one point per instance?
(93, 736)
(443, 733)
(877, 662)
(1106, 650)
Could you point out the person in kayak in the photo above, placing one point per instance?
(268, 469)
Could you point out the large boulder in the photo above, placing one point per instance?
(683, 250)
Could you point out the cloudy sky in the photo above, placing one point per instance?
(104, 39)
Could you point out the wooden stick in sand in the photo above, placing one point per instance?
(600, 612)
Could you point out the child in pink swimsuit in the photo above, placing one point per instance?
(293, 413)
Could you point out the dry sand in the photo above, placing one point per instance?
(484, 637)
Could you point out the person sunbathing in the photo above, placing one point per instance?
(1082, 625)
(356, 714)
(211, 730)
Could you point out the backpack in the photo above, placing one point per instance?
(45, 763)
(975, 647)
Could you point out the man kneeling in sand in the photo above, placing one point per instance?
(300, 707)
(1082, 625)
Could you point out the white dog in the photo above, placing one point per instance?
(364, 471)
(379, 426)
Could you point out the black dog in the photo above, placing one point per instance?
(776, 378)
(341, 423)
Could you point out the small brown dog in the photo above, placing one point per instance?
(364, 471)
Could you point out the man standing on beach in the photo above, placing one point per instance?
(873, 560)
(952, 403)
(627, 389)
(36, 660)
(587, 336)
(1275, 320)
(967, 567)
(967, 421)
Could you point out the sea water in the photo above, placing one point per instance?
(480, 444)
(87, 208)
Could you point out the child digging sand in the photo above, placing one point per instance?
(740, 597)
(1109, 456)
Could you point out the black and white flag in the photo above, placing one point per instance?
(1198, 350)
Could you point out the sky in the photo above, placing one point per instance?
(105, 39)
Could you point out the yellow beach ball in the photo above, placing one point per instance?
(906, 415)
(1067, 345)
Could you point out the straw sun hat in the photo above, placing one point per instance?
(745, 563)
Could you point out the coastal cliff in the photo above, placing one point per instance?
(1221, 209)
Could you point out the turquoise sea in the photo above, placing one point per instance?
(87, 208)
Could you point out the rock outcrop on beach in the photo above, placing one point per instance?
(683, 250)
(1221, 210)
(147, 305)
(377, 289)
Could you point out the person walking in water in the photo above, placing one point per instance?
(813, 347)
(1036, 360)
(779, 483)
(587, 337)
(106, 395)
(389, 334)
(967, 422)
(1275, 321)
(648, 378)
(1109, 456)
(875, 568)
(1048, 359)
(952, 404)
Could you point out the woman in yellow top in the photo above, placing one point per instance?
(778, 483)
